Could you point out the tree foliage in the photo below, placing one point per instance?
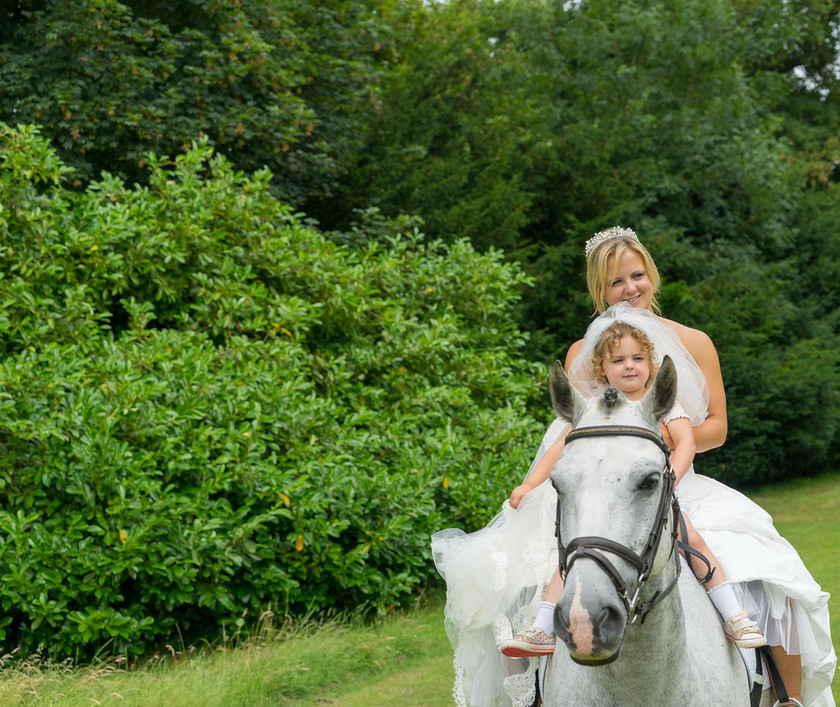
(284, 84)
(702, 125)
(209, 409)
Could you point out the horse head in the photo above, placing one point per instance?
(611, 490)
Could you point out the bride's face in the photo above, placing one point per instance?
(631, 283)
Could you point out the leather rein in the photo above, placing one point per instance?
(593, 547)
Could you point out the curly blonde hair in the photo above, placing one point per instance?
(611, 338)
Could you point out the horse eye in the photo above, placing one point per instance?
(650, 482)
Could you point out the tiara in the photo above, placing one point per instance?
(609, 234)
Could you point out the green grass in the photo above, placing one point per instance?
(807, 513)
(334, 662)
(404, 660)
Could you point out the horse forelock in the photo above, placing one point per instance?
(611, 399)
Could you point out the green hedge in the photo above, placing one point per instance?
(208, 408)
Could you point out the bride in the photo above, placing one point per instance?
(496, 576)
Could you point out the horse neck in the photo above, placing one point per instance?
(661, 638)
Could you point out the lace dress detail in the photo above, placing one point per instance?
(495, 581)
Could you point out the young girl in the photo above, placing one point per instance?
(624, 358)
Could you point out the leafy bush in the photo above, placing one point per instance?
(208, 408)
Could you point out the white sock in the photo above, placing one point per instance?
(545, 617)
(725, 601)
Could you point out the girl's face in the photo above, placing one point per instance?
(628, 369)
(631, 283)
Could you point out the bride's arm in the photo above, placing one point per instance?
(711, 433)
(572, 353)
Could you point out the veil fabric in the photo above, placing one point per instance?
(692, 390)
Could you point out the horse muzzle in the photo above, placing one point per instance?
(590, 619)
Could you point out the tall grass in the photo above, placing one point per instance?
(292, 664)
(351, 662)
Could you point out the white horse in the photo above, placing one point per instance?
(611, 504)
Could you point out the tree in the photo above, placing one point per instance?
(681, 120)
(283, 84)
(454, 136)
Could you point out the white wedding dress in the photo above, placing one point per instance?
(495, 577)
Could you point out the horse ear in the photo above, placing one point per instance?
(565, 399)
(660, 398)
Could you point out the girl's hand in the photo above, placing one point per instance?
(518, 494)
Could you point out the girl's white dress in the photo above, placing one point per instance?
(495, 577)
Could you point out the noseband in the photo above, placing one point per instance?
(592, 547)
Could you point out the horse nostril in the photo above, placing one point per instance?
(561, 621)
(610, 623)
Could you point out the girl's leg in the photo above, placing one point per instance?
(696, 541)
(738, 627)
(554, 588)
(539, 638)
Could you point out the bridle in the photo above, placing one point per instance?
(592, 547)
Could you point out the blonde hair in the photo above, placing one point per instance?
(597, 266)
(610, 339)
